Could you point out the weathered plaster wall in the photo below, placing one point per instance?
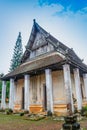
(36, 89)
(82, 85)
(59, 94)
(18, 98)
(73, 85)
(37, 84)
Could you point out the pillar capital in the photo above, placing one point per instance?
(3, 82)
(76, 71)
(12, 80)
(66, 66)
(47, 70)
(26, 76)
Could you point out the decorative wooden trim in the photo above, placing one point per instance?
(36, 47)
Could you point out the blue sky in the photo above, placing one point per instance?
(64, 19)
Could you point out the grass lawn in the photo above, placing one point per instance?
(15, 122)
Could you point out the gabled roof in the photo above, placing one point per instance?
(59, 47)
(41, 62)
(36, 28)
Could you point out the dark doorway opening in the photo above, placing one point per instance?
(22, 97)
(82, 91)
(44, 98)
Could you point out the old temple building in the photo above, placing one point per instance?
(51, 77)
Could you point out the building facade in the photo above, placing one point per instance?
(51, 77)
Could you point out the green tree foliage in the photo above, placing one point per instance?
(0, 90)
(1, 75)
(7, 88)
(17, 54)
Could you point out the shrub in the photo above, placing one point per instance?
(21, 113)
(84, 111)
(85, 108)
(8, 111)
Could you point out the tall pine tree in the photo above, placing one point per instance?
(17, 54)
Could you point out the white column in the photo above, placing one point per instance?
(68, 86)
(78, 88)
(15, 87)
(11, 95)
(3, 103)
(49, 90)
(26, 92)
(85, 84)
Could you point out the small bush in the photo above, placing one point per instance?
(21, 113)
(84, 111)
(85, 108)
(8, 111)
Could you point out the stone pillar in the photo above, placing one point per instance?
(3, 103)
(11, 95)
(85, 84)
(78, 88)
(68, 86)
(49, 90)
(26, 92)
(15, 89)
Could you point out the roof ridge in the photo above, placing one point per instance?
(62, 47)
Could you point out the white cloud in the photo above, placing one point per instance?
(69, 27)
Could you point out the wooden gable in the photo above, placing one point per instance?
(37, 44)
(41, 42)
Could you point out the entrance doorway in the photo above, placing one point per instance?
(44, 98)
(22, 97)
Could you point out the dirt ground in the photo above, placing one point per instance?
(12, 122)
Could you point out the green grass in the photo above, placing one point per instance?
(16, 122)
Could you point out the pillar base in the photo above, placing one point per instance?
(36, 108)
(17, 107)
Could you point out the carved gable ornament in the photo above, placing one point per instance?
(39, 40)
